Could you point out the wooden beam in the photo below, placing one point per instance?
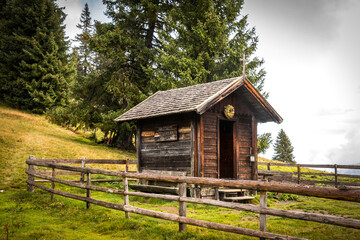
(182, 205)
(52, 183)
(254, 174)
(218, 145)
(193, 165)
(126, 196)
(88, 190)
(223, 94)
(138, 146)
(336, 175)
(88, 161)
(83, 160)
(263, 204)
(202, 144)
(235, 149)
(263, 102)
(31, 167)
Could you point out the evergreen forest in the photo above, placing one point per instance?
(147, 46)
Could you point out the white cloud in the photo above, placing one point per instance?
(349, 151)
(311, 51)
(73, 10)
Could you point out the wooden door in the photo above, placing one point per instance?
(226, 149)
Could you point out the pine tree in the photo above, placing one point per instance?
(158, 44)
(283, 148)
(48, 74)
(124, 48)
(85, 53)
(86, 115)
(34, 71)
(264, 142)
(203, 42)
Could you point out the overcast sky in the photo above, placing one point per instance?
(311, 50)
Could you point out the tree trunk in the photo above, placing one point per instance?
(152, 24)
(123, 140)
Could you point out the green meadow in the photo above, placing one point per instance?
(26, 215)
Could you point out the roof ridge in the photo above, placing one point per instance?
(201, 84)
(218, 92)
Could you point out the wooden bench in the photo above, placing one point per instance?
(232, 194)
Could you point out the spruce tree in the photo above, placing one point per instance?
(157, 45)
(203, 42)
(85, 53)
(86, 115)
(264, 142)
(283, 148)
(33, 61)
(46, 76)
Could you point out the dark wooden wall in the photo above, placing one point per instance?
(244, 131)
(245, 146)
(209, 158)
(167, 155)
(196, 149)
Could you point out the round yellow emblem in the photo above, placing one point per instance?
(229, 111)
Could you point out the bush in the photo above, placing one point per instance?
(59, 115)
(283, 196)
(288, 197)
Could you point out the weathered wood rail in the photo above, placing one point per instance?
(83, 162)
(309, 178)
(262, 186)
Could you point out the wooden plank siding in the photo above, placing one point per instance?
(167, 155)
(210, 126)
(245, 146)
(197, 148)
(244, 132)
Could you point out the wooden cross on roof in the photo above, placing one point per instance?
(244, 60)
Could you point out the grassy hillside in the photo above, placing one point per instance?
(35, 216)
(23, 134)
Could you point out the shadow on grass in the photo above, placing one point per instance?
(76, 139)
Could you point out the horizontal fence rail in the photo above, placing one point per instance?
(88, 161)
(262, 186)
(84, 162)
(300, 176)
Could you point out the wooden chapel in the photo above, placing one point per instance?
(205, 130)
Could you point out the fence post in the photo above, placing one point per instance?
(299, 173)
(197, 191)
(217, 195)
(336, 175)
(127, 165)
(263, 204)
(268, 166)
(182, 205)
(30, 187)
(88, 191)
(52, 183)
(83, 159)
(126, 189)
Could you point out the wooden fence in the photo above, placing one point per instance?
(302, 176)
(83, 163)
(182, 198)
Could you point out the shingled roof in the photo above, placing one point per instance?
(196, 98)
